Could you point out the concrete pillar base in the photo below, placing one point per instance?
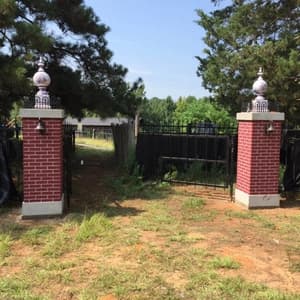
(257, 201)
(42, 208)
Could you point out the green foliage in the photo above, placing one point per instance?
(243, 36)
(193, 111)
(197, 172)
(172, 173)
(127, 186)
(189, 110)
(66, 33)
(156, 111)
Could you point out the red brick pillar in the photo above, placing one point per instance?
(258, 159)
(42, 162)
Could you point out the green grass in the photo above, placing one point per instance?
(224, 263)
(96, 226)
(293, 253)
(99, 143)
(201, 216)
(193, 203)
(144, 248)
(58, 243)
(84, 153)
(73, 233)
(36, 236)
(182, 238)
(128, 186)
(156, 218)
(193, 210)
(210, 285)
(127, 284)
(5, 243)
(264, 221)
(17, 289)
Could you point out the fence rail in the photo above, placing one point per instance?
(204, 128)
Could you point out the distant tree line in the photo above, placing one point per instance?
(186, 110)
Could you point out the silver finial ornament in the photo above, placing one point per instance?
(260, 104)
(42, 80)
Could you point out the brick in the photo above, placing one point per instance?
(258, 157)
(43, 168)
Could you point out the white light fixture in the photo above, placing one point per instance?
(269, 128)
(40, 127)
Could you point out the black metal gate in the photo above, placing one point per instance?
(187, 154)
(68, 150)
(10, 164)
(290, 159)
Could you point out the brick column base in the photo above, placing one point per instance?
(42, 162)
(258, 159)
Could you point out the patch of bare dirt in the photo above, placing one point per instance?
(262, 255)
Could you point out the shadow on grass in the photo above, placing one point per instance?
(108, 210)
(127, 187)
(113, 211)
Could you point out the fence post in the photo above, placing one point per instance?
(259, 135)
(42, 153)
(124, 140)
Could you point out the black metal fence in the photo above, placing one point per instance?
(10, 164)
(203, 128)
(95, 133)
(204, 155)
(68, 151)
(290, 159)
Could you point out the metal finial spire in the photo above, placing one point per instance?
(260, 72)
(41, 79)
(260, 104)
(41, 63)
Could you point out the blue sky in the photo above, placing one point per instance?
(156, 40)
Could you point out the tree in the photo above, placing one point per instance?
(242, 37)
(193, 111)
(71, 37)
(158, 111)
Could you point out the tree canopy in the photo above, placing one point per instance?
(72, 39)
(192, 111)
(186, 110)
(244, 36)
(156, 110)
